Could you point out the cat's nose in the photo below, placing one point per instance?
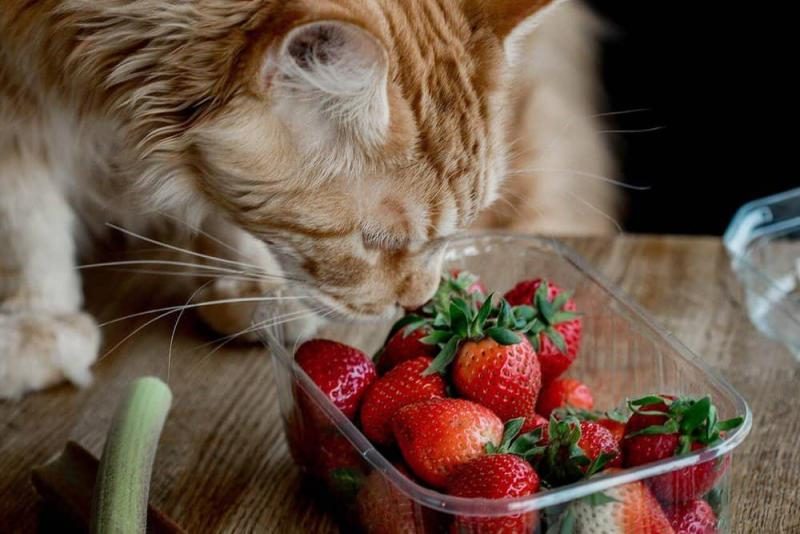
(417, 288)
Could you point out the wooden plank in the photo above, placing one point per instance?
(223, 466)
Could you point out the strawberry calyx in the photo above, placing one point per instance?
(524, 445)
(461, 321)
(560, 459)
(590, 415)
(543, 315)
(695, 420)
(463, 285)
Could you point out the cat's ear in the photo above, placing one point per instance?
(337, 68)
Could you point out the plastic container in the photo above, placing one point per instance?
(624, 354)
(763, 241)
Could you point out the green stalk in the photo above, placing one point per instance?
(123, 479)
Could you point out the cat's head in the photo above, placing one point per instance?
(363, 132)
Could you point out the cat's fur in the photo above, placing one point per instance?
(350, 135)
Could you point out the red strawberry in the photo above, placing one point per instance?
(612, 420)
(596, 440)
(382, 509)
(532, 423)
(563, 392)
(301, 446)
(558, 335)
(494, 476)
(437, 435)
(405, 384)
(617, 428)
(574, 449)
(504, 378)
(681, 425)
(341, 372)
(337, 464)
(404, 346)
(639, 421)
(626, 509)
(693, 517)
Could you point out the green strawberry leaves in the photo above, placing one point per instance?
(462, 321)
(444, 358)
(695, 420)
(542, 318)
(525, 445)
(345, 482)
(503, 336)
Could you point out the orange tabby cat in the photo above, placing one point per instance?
(348, 136)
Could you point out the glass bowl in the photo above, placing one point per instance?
(624, 354)
(763, 242)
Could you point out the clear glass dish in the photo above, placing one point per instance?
(763, 242)
(624, 354)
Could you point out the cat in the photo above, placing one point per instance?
(336, 142)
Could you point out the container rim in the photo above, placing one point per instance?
(441, 502)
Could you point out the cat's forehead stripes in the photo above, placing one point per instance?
(441, 64)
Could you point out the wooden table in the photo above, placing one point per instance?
(222, 465)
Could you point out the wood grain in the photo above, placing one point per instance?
(223, 467)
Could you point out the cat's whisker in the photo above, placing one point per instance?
(136, 331)
(268, 323)
(192, 274)
(171, 263)
(595, 209)
(190, 252)
(203, 233)
(175, 309)
(172, 309)
(310, 312)
(633, 130)
(585, 175)
(621, 112)
(177, 322)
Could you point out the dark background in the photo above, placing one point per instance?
(715, 76)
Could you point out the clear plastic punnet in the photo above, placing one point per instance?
(763, 241)
(624, 354)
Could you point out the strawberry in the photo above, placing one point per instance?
(676, 426)
(564, 392)
(300, 446)
(532, 423)
(614, 421)
(342, 373)
(410, 336)
(617, 428)
(491, 364)
(405, 384)
(383, 509)
(556, 337)
(494, 476)
(693, 517)
(572, 450)
(403, 346)
(504, 378)
(338, 464)
(626, 509)
(437, 435)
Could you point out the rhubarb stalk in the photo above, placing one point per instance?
(123, 480)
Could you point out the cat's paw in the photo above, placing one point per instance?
(39, 349)
(238, 318)
(232, 318)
